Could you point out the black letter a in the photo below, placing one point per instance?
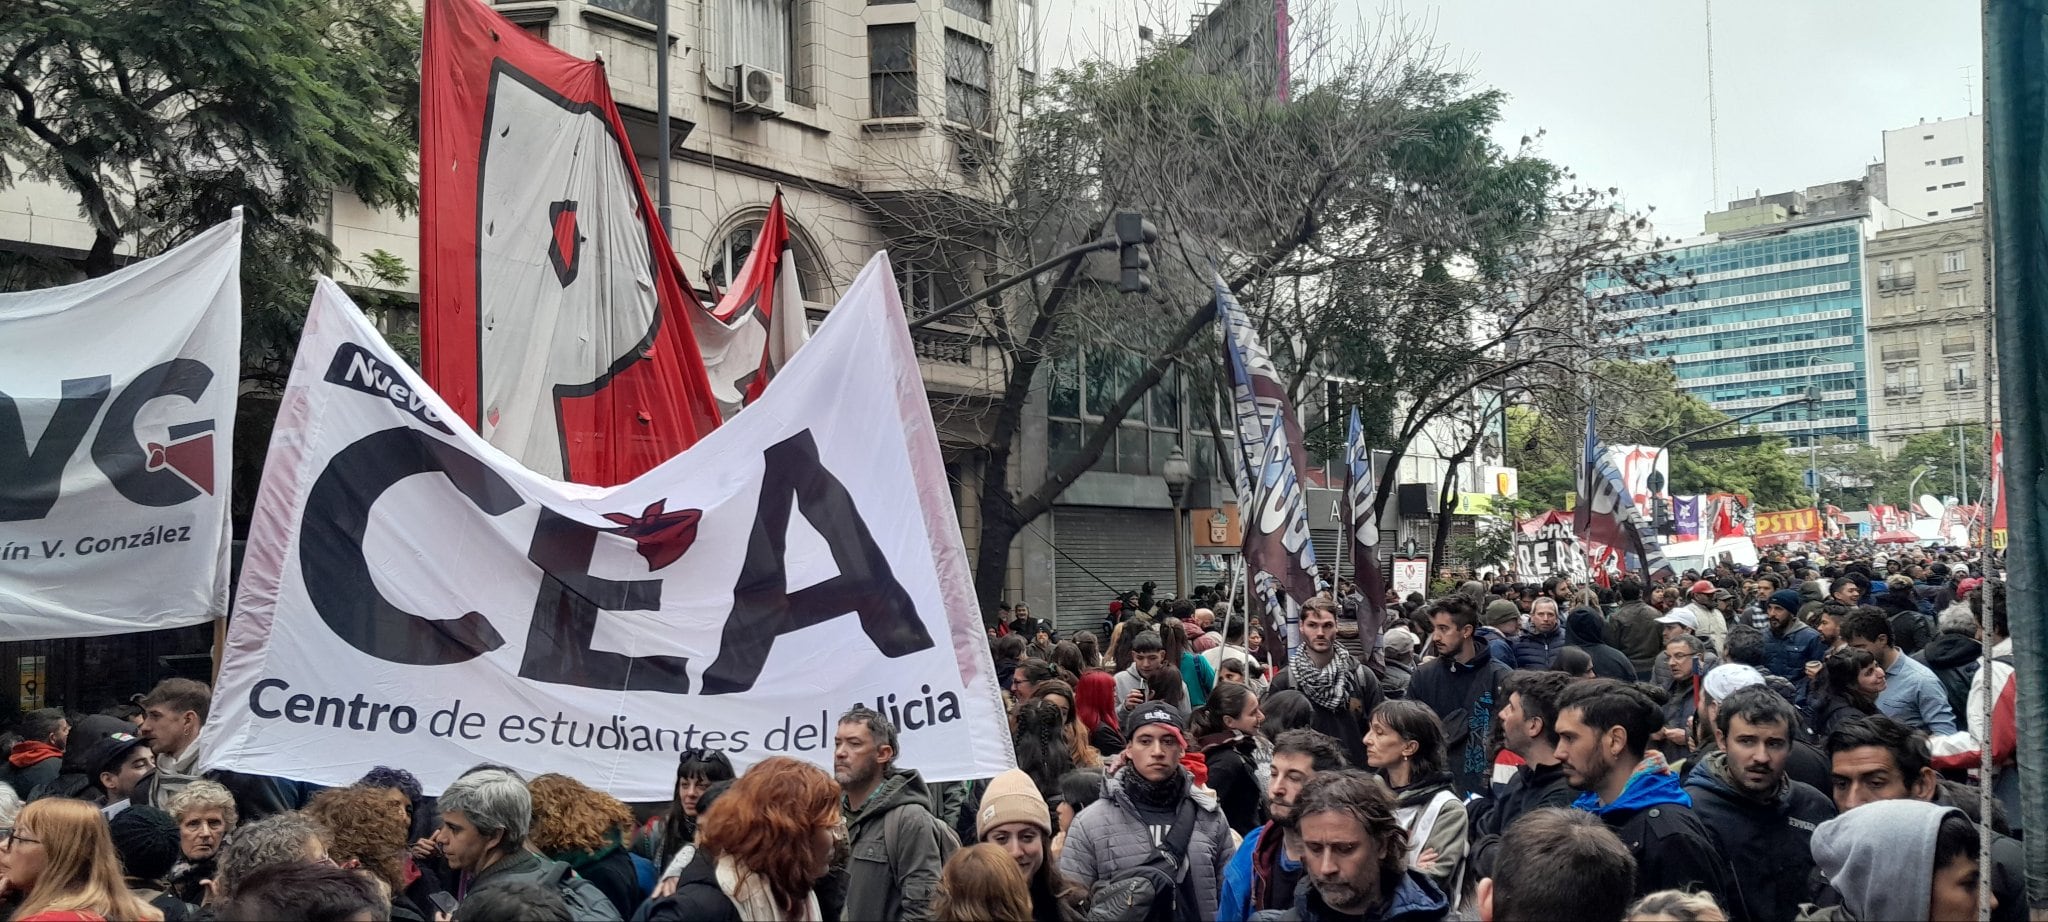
(763, 608)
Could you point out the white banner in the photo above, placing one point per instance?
(117, 411)
(411, 596)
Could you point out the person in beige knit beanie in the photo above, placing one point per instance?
(1013, 815)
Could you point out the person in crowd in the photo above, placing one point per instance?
(1879, 758)
(1096, 704)
(1676, 906)
(146, 841)
(1286, 710)
(1014, 818)
(1008, 651)
(1760, 819)
(1462, 686)
(119, 763)
(1152, 791)
(1040, 740)
(887, 814)
(1405, 745)
(1091, 651)
(1954, 655)
(1634, 629)
(61, 858)
(75, 778)
(1913, 629)
(513, 899)
(586, 829)
(1829, 623)
(282, 838)
(1266, 869)
(1536, 647)
(761, 851)
(1528, 721)
(1233, 672)
(1077, 790)
(39, 757)
(1848, 686)
(1227, 732)
(1708, 622)
(1342, 693)
(486, 817)
(1757, 599)
(1232, 647)
(1164, 685)
(362, 832)
(1148, 657)
(1904, 860)
(1500, 624)
(172, 715)
(405, 794)
(978, 883)
(662, 838)
(1911, 692)
(1988, 605)
(1682, 659)
(1197, 675)
(1574, 662)
(1397, 655)
(1805, 762)
(1355, 854)
(1789, 644)
(1025, 678)
(1060, 694)
(1603, 732)
(1594, 889)
(10, 810)
(205, 813)
(1066, 657)
(1583, 629)
(308, 892)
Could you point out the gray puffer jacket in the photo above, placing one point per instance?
(1111, 836)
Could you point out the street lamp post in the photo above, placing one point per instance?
(1810, 398)
(1178, 475)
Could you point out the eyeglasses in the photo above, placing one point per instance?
(8, 837)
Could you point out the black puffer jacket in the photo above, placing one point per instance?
(1954, 659)
(1583, 629)
(1766, 842)
(1532, 788)
(697, 897)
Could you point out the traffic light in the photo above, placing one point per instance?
(1133, 232)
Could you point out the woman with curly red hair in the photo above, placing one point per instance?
(760, 849)
(586, 829)
(365, 833)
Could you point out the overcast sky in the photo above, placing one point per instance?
(1804, 87)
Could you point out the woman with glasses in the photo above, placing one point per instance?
(60, 857)
(665, 839)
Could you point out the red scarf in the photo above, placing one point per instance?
(32, 752)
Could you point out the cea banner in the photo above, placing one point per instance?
(117, 408)
(412, 596)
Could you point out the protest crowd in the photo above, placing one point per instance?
(1789, 741)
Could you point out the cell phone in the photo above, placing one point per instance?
(442, 901)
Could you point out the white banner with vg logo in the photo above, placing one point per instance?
(117, 410)
(412, 596)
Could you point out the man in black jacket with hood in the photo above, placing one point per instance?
(1759, 817)
(1528, 728)
(1462, 685)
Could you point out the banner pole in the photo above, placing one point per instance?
(220, 647)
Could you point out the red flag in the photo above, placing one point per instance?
(760, 321)
(553, 314)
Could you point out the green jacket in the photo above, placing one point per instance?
(895, 847)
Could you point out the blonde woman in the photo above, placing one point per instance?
(63, 861)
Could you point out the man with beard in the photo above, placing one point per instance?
(1759, 818)
(1528, 722)
(888, 816)
(1356, 854)
(1603, 729)
(1266, 870)
(1788, 644)
(1341, 692)
(1150, 805)
(1462, 685)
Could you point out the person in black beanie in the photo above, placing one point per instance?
(1147, 795)
(147, 841)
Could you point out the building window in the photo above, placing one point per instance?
(892, 70)
(729, 254)
(762, 33)
(1934, 214)
(975, 8)
(1952, 261)
(1966, 209)
(1955, 297)
(1951, 161)
(1951, 185)
(923, 290)
(1931, 188)
(1959, 376)
(968, 76)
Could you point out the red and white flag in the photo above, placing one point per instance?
(758, 323)
(554, 317)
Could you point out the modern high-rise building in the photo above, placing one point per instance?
(1934, 171)
(1775, 304)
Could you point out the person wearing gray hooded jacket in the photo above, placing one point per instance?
(1141, 801)
(895, 842)
(1904, 860)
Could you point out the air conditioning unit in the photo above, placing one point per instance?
(758, 90)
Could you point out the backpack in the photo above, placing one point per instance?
(1153, 889)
